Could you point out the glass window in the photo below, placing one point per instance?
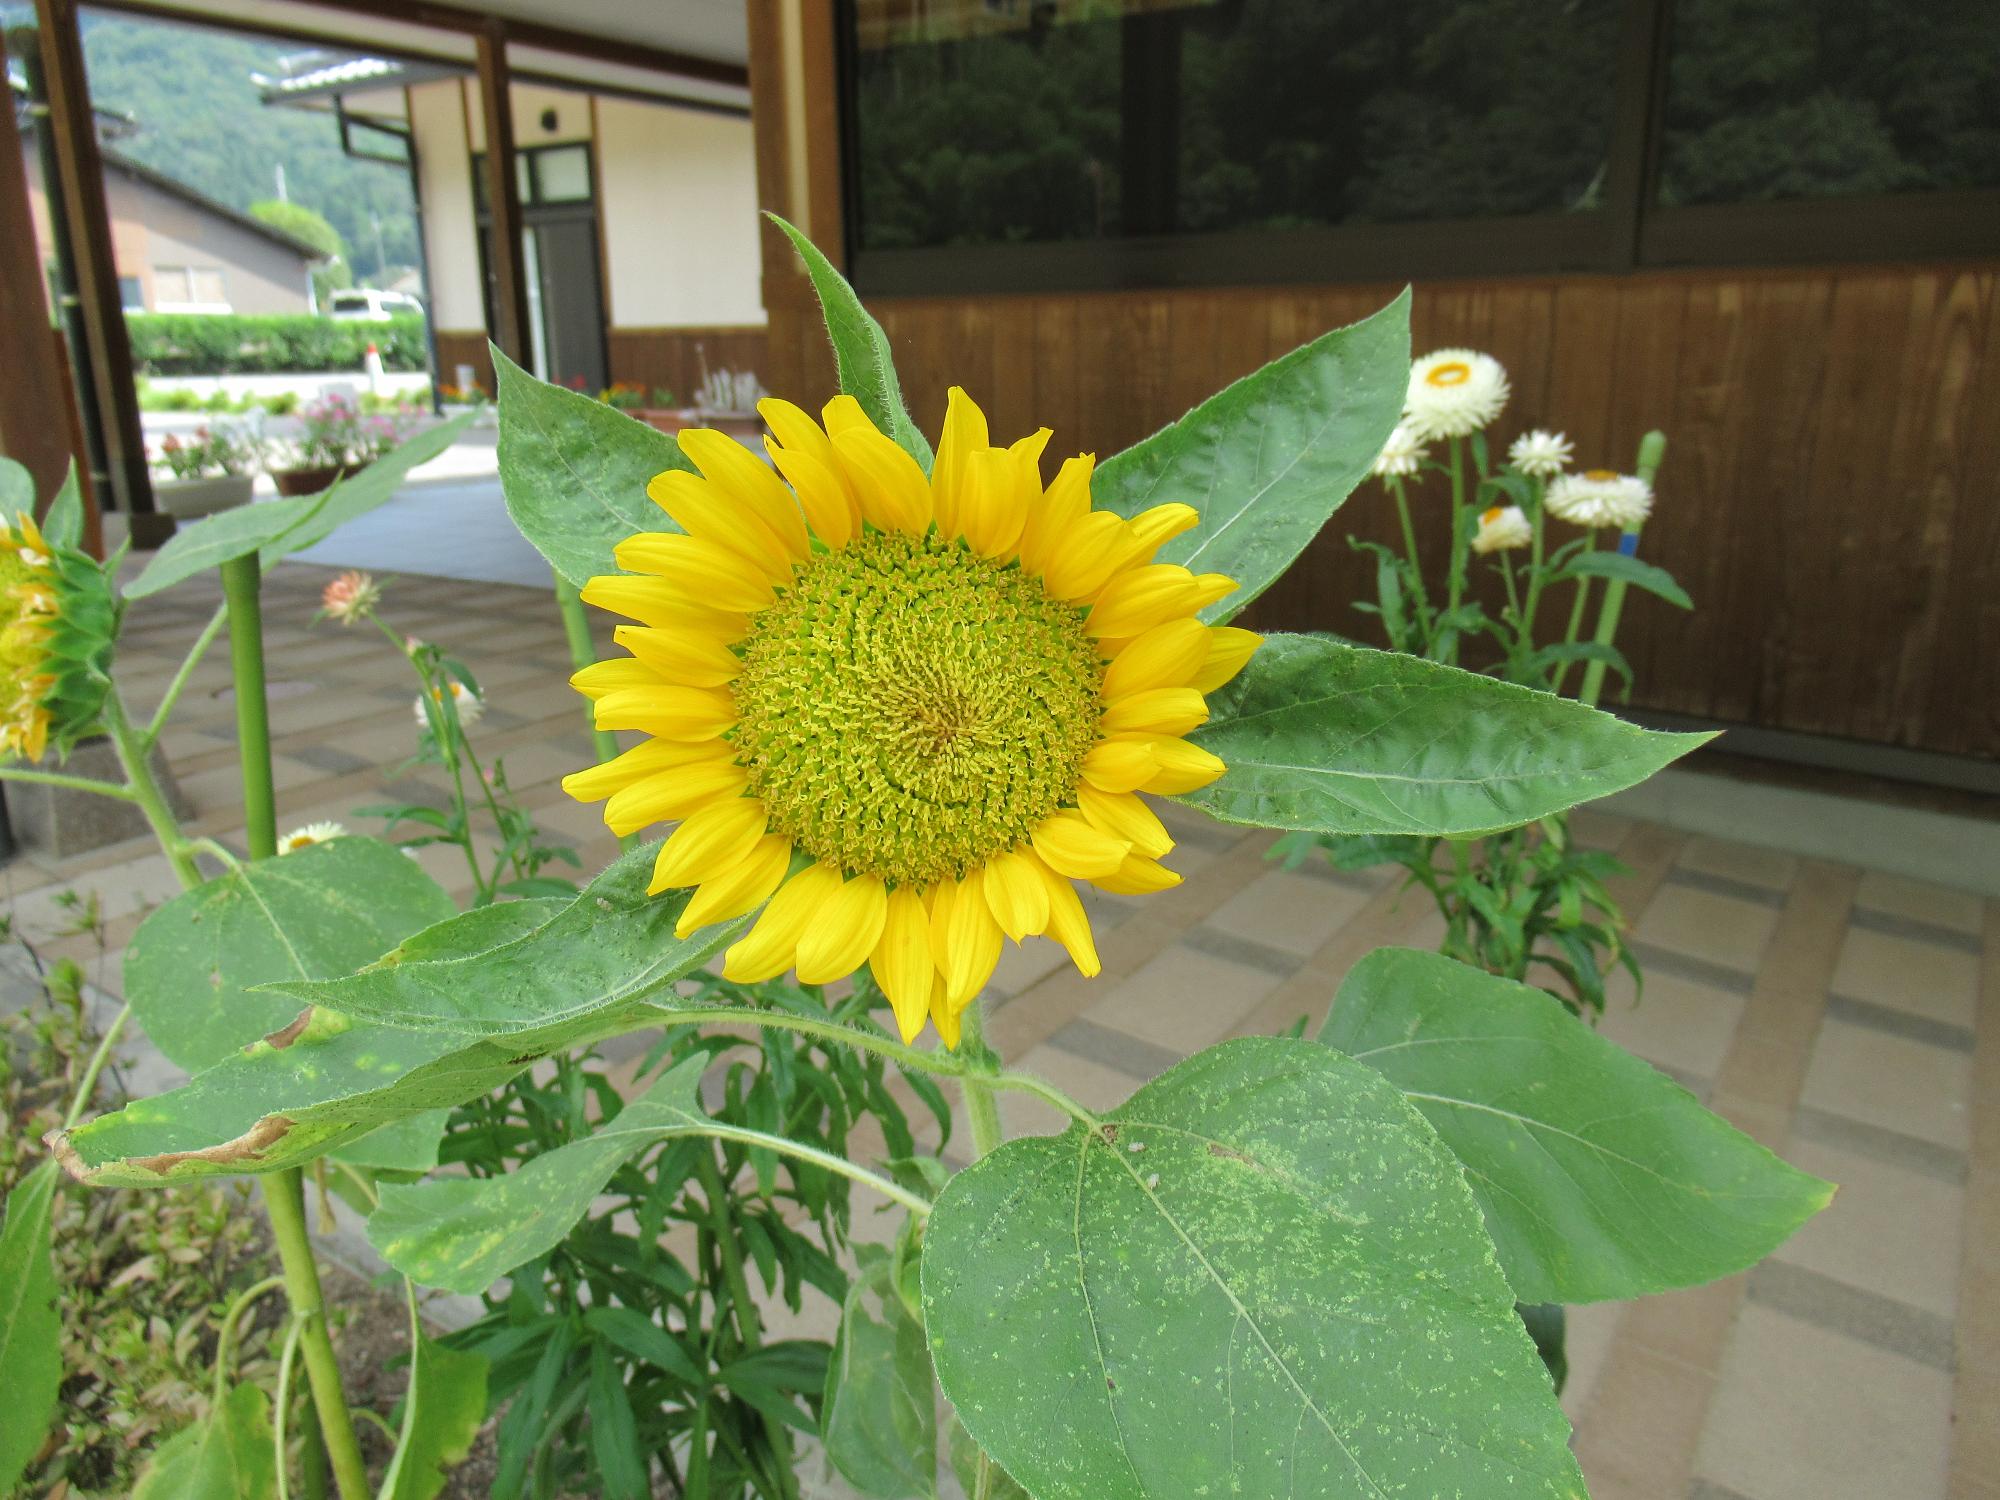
(982, 121)
(1770, 99)
(562, 174)
(131, 296)
(207, 286)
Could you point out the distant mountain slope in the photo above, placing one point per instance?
(201, 122)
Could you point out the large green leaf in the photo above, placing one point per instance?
(1332, 738)
(574, 472)
(443, 1410)
(62, 524)
(861, 355)
(1267, 460)
(30, 1328)
(1600, 1177)
(227, 1455)
(329, 1078)
(277, 528)
(17, 489)
(1263, 1275)
(879, 1418)
(464, 1233)
(1618, 567)
(613, 944)
(193, 969)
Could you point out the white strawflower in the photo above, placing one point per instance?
(1401, 456)
(1545, 454)
(1601, 497)
(1454, 392)
(308, 835)
(1502, 526)
(470, 704)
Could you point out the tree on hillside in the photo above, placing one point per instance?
(307, 224)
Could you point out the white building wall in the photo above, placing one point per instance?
(451, 234)
(679, 211)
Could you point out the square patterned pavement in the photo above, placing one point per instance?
(1846, 1018)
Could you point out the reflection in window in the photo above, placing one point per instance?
(562, 174)
(1009, 120)
(1775, 99)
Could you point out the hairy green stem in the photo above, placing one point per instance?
(134, 759)
(1456, 576)
(281, 1408)
(1575, 612)
(284, 1203)
(68, 783)
(1395, 484)
(833, 1031)
(783, 1146)
(1535, 579)
(86, 1088)
(982, 1108)
(225, 1337)
(284, 1192)
(180, 680)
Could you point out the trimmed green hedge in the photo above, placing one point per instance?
(256, 344)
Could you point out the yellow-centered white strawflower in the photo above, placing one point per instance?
(28, 609)
(1454, 392)
(306, 835)
(1501, 527)
(942, 694)
(470, 704)
(1401, 456)
(1542, 454)
(1601, 497)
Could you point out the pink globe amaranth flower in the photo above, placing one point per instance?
(350, 597)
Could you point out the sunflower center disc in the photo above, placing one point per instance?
(908, 709)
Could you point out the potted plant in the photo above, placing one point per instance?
(728, 401)
(336, 440)
(211, 471)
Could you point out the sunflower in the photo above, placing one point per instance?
(908, 712)
(28, 608)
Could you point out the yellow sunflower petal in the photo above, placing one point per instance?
(739, 890)
(1138, 876)
(794, 427)
(622, 770)
(844, 931)
(673, 713)
(1135, 601)
(721, 458)
(1173, 710)
(1084, 557)
(1182, 768)
(1123, 764)
(1069, 924)
(651, 602)
(991, 508)
(1125, 815)
(709, 842)
(844, 414)
(677, 792)
(1028, 451)
(1209, 587)
(964, 434)
(944, 1016)
(602, 677)
(680, 656)
(1229, 651)
(829, 505)
(1159, 525)
(1016, 894)
(902, 962)
(1168, 655)
(964, 938)
(1066, 501)
(1070, 845)
(707, 510)
(695, 569)
(772, 943)
(893, 491)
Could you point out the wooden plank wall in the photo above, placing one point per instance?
(1831, 496)
(672, 358)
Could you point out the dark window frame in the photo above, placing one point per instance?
(1632, 232)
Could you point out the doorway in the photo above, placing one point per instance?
(565, 271)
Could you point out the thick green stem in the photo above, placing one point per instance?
(1652, 450)
(1456, 575)
(188, 663)
(982, 1107)
(242, 580)
(284, 1192)
(1535, 556)
(133, 758)
(1575, 613)
(68, 783)
(284, 1203)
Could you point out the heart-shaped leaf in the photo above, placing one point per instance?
(879, 1418)
(1599, 1176)
(1330, 738)
(1261, 1275)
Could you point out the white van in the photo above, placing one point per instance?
(366, 305)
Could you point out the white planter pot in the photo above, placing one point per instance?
(188, 499)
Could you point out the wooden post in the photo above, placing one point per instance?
(503, 198)
(36, 419)
(107, 351)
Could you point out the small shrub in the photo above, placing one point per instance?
(246, 343)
